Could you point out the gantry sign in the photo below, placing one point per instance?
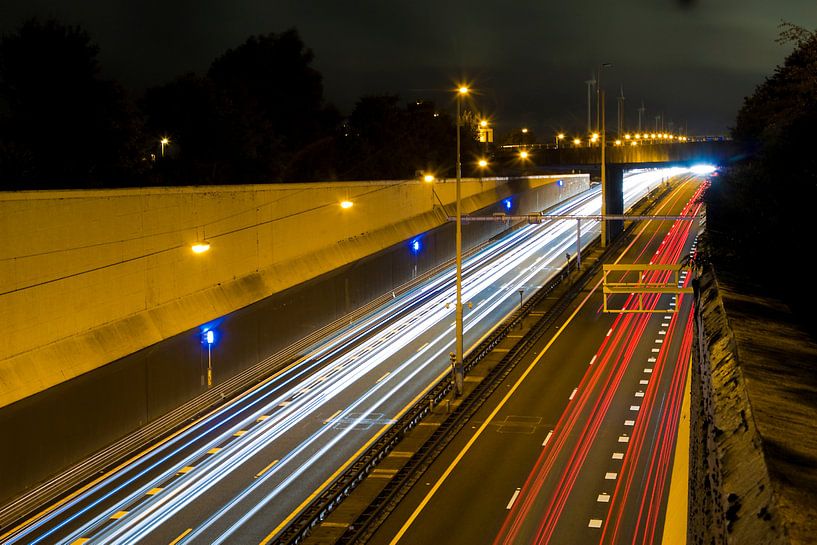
(642, 286)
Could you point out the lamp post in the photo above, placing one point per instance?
(603, 177)
(598, 93)
(559, 136)
(209, 338)
(458, 372)
(164, 141)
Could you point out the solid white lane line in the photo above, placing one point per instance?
(549, 435)
(513, 498)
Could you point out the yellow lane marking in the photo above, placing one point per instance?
(181, 536)
(239, 433)
(262, 417)
(214, 450)
(81, 540)
(154, 491)
(488, 420)
(118, 515)
(384, 376)
(185, 469)
(332, 417)
(335, 524)
(272, 463)
(675, 522)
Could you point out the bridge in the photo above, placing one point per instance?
(622, 156)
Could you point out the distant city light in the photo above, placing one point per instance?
(523, 154)
(483, 163)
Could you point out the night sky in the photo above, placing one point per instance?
(692, 60)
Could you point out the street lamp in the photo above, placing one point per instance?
(560, 136)
(164, 141)
(462, 91)
(346, 204)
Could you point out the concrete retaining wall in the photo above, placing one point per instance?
(87, 277)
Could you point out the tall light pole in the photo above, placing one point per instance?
(603, 176)
(164, 141)
(620, 132)
(598, 93)
(590, 83)
(458, 372)
(641, 111)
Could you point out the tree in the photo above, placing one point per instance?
(60, 123)
(763, 207)
(276, 100)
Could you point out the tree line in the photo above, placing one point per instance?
(760, 213)
(257, 115)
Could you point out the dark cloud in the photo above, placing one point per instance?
(692, 60)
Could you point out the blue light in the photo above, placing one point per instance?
(703, 169)
(507, 203)
(415, 246)
(210, 337)
(560, 183)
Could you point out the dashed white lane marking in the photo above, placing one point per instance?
(593, 360)
(573, 393)
(643, 381)
(635, 407)
(623, 439)
(384, 376)
(549, 435)
(421, 348)
(647, 370)
(618, 456)
(513, 499)
(332, 417)
(668, 317)
(666, 324)
(639, 394)
(672, 303)
(594, 523)
(656, 350)
(609, 332)
(650, 360)
(629, 422)
(659, 341)
(603, 498)
(662, 332)
(610, 476)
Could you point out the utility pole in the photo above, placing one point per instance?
(598, 92)
(621, 113)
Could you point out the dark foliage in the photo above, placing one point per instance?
(61, 125)
(760, 214)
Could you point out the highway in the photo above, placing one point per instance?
(242, 472)
(577, 446)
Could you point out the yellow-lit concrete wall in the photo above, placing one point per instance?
(89, 276)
